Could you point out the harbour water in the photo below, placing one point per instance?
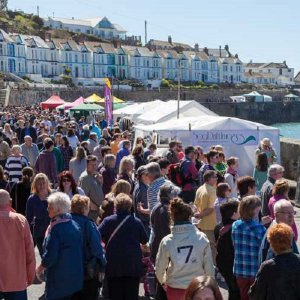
(289, 130)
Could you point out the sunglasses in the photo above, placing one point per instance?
(66, 180)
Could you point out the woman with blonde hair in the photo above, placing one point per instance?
(203, 287)
(121, 186)
(36, 209)
(8, 131)
(126, 171)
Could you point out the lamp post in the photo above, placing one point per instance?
(178, 91)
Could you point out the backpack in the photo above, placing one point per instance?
(175, 174)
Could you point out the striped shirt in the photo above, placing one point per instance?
(13, 167)
(153, 191)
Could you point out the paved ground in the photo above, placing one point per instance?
(36, 291)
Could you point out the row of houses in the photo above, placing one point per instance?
(39, 59)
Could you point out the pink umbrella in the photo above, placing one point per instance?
(75, 103)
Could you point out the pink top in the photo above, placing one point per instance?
(17, 263)
(271, 204)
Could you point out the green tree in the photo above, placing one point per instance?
(165, 83)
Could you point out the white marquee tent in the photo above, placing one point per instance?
(168, 110)
(239, 137)
(136, 109)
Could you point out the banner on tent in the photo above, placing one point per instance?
(226, 137)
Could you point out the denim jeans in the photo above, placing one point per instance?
(21, 295)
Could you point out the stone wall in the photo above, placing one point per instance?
(290, 153)
(266, 113)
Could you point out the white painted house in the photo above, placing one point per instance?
(76, 57)
(231, 70)
(108, 61)
(143, 64)
(170, 65)
(41, 57)
(202, 67)
(12, 54)
(269, 73)
(99, 26)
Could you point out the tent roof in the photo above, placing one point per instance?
(291, 96)
(93, 98)
(168, 110)
(137, 108)
(52, 102)
(204, 123)
(102, 100)
(54, 99)
(254, 93)
(87, 107)
(77, 102)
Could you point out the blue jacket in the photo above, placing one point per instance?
(92, 238)
(37, 215)
(121, 153)
(123, 254)
(265, 250)
(63, 260)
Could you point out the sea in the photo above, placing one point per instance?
(289, 130)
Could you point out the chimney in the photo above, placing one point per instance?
(72, 18)
(197, 47)
(220, 51)
(206, 50)
(169, 39)
(47, 36)
(284, 62)
(116, 43)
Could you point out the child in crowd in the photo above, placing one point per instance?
(223, 193)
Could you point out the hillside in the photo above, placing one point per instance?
(20, 22)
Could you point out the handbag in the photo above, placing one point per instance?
(116, 230)
(92, 267)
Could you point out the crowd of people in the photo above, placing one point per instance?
(107, 213)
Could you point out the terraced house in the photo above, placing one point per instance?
(76, 57)
(143, 64)
(108, 61)
(12, 54)
(202, 67)
(42, 59)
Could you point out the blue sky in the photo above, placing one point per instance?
(261, 30)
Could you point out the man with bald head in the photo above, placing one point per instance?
(30, 150)
(17, 263)
(284, 213)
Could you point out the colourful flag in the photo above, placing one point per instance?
(108, 101)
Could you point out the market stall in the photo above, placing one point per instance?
(239, 137)
(52, 102)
